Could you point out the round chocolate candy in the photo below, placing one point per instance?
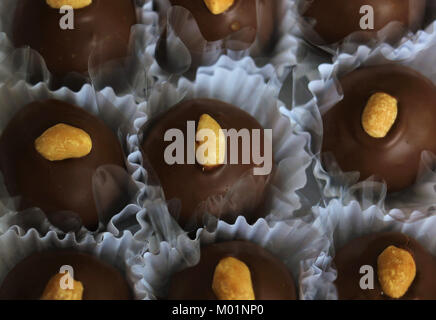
(225, 190)
(383, 124)
(336, 19)
(100, 28)
(49, 154)
(400, 266)
(33, 278)
(239, 267)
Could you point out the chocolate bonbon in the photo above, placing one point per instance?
(31, 278)
(335, 20)
(225, 191)
(215, 26)
(375, 251)
(394, 157)
(63, 183)
(269, 277)
(100, 33)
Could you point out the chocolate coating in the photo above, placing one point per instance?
(365, 251)
(28, 278)
(189, 182)
(60, 185)
(396, 157)
(270, 278)
(102, 29)
(336, 19)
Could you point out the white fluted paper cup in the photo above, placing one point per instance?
(243, 85)
(297, 244)
(326, 91)
(394, 32)
(281, 57)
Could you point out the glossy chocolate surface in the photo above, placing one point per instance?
(101, 29)
(28, 278)
(336, 19)
(365, 251)
(59, 185)
(270, 278)
(396, 157)
(189, 182)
